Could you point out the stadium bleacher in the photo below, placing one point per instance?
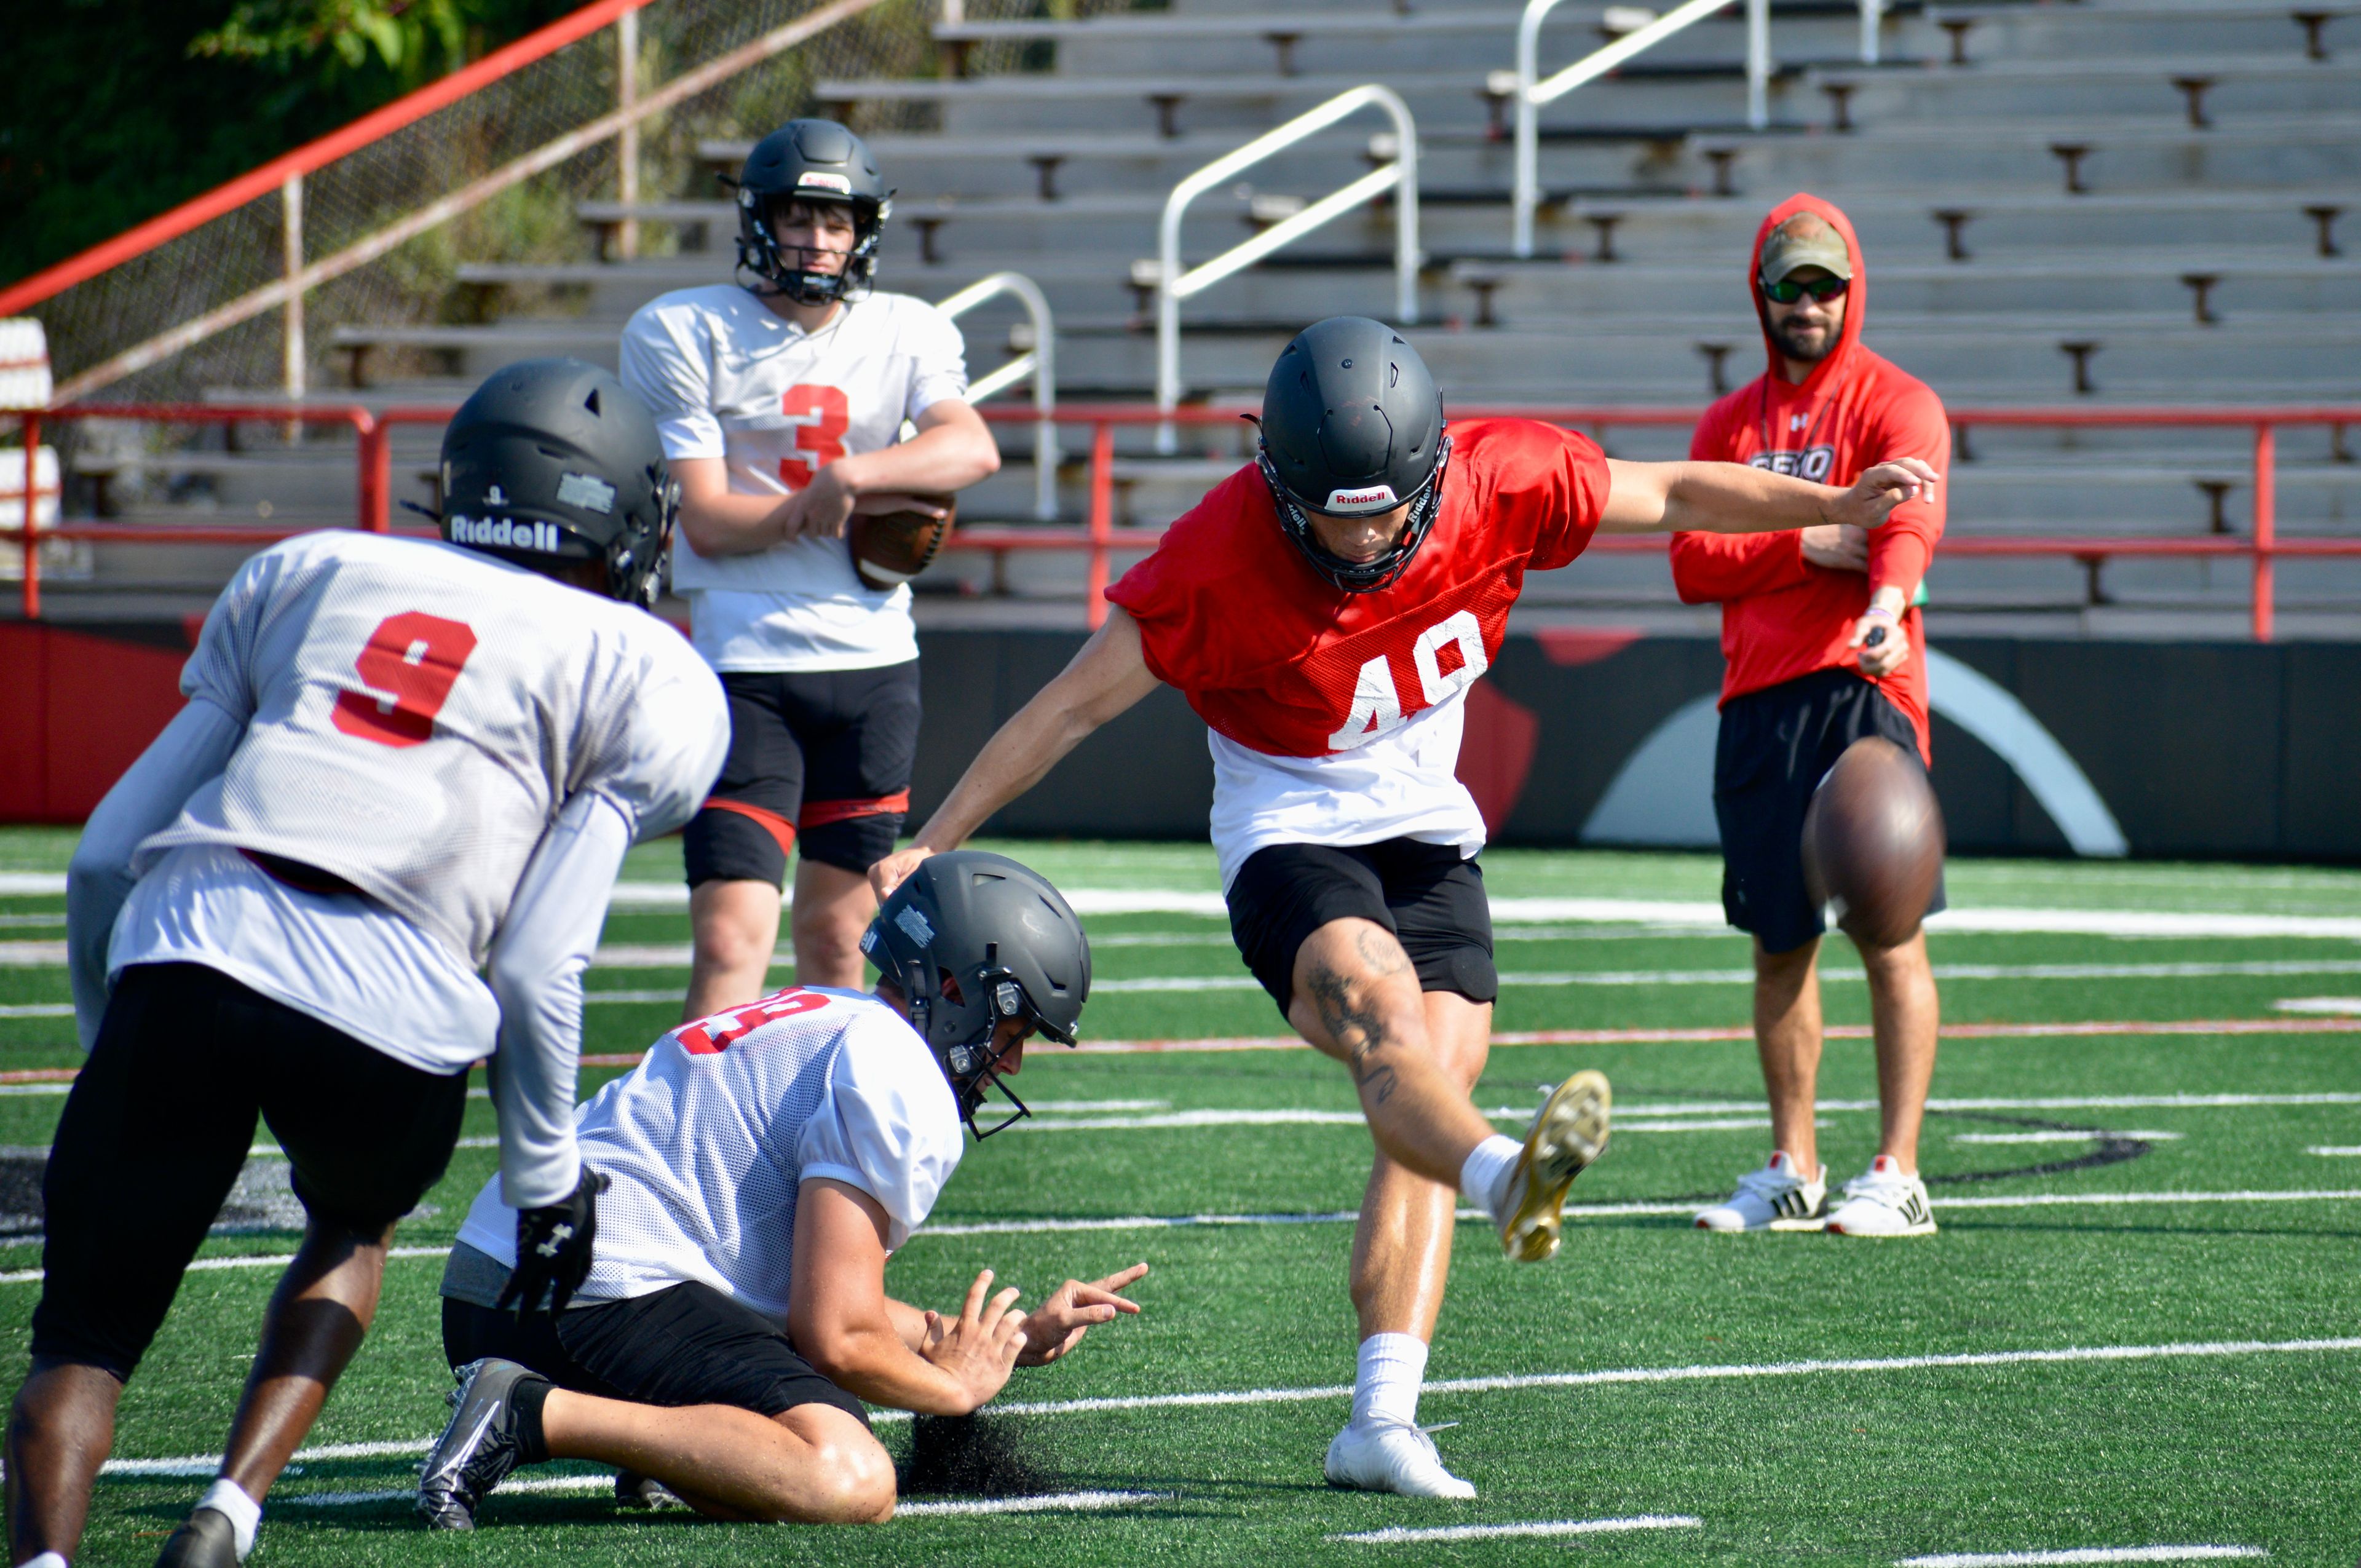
(2098, 203)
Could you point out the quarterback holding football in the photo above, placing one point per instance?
(1324, 611)
(782, 402)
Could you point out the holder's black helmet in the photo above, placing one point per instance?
(553, 460)
(1352, 423)
(971, 938)
(811, 160)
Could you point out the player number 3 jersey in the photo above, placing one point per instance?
(729, 378)
(1335, 718)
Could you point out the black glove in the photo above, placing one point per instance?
(553, 1245)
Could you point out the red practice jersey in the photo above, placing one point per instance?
(1335, 716)
(1782, 617)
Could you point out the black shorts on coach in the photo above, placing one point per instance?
(159, 1125)
(818, 758)
(1430, 898)
(1775, 747)
(685, 1344)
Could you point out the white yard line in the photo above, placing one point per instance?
(2324, 1007)
(1345, 1216)
(2199, 1349)
(2334, 1150)
(1400, 1535)
(2257, 968)
(1053, 1502)
(31, 884)
(2057, 1137)
(2080, 1554)
(36, 1010)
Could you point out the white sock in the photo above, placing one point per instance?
(226, 1497)
(1485, 1177)
(1386, 1389)
(49, 1559)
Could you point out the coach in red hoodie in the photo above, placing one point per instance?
(1809, 673)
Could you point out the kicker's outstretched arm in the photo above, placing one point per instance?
(1732, 497)
(1107, 677)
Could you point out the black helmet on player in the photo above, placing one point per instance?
(1352, 423)
(970, 940)
(810, 160)
(553, 461)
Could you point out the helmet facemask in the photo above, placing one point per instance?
(789, 268)
(1357, 577)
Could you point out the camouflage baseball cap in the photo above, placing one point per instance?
(1806, 239)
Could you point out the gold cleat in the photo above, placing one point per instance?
(1568, 1134)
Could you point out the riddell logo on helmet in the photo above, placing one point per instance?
(504, 533)
(819, 180)
(1362, 500)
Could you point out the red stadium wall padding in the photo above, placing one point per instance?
(76, 709)
(1497, 751)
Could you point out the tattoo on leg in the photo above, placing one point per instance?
(1355, 1026)
(1381, 952)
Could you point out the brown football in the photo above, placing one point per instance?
(1873, 843)
(889, 548)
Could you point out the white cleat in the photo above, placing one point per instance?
(1568, 1132)
(1776, 1198)
(1391, 1456)
(1883, 1202)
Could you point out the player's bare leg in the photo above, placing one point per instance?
(1401, 1248)
(1787, 1036)
(318, 1317)
(1903, 1016)
(1357, 999)
(833, 906)
(734, 929)
(59, 1434)
(812, 1465)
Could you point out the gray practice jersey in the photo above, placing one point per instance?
(416, 716)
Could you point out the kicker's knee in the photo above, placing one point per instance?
(849, 1483)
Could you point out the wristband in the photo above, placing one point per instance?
(1880, 610)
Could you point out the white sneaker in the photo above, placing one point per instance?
(1391, 1456)
(1776, 1198)
(1884, 1202)
(1568, 1132)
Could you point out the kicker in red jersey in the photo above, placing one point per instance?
(1278, 660)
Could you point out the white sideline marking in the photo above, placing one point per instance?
(38, 1010)
(2334, 1150)
(31, 885)
(2060, 1137)
(32, 955)
(2080, 1554)
(1396, 1535)
(244, 1260)
(2192, 1350)
(2331, 1006)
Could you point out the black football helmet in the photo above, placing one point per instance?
(811, 160)
(553, 460)
(1352, 423)
(971, 938)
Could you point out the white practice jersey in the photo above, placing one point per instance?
(729, 378)
(707, 1140)
(417, 715)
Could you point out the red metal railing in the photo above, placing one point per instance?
(1102, 541)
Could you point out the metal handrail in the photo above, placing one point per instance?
(1172, 285)
(1040, 364)
(1533, 92)
(1100, 541)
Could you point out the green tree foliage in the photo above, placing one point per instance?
(118, 110)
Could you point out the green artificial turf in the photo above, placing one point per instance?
(1857, 1464)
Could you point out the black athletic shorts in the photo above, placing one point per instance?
(161, 1119)
(825, 755)
(688, 1344)
(1776, 745)
(1430, 898)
